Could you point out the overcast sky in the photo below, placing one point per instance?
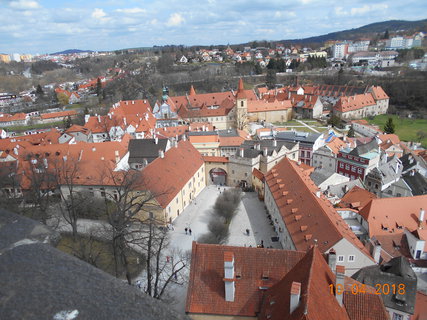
(46, 26)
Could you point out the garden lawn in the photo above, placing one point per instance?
(405, 128)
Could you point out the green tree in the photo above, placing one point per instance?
(386, 34)
(421, 135)
(63, 99)
(389, 126)
(98, 87)
(270, 78)
(334, 121)
(350, 132)
(67, 122)
(39, 90)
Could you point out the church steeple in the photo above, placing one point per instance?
(241, 90)
(165, 95)
(192, 91)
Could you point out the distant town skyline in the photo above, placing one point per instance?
(47, 26)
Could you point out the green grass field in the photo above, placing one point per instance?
(405, 128)
(35, 126)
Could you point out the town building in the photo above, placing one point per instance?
(302, 217)
(309, 142)
(357, 162)
(256, 283)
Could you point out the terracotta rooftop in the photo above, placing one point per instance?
(258, 174)
(167, 176)
(392, 215)
(60, 114)
(215, 159)
(304, 195)
(264, 279)
(356, 198)
(355, 102)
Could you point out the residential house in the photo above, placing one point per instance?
(144, 151)
(308, 143)
(57, 116)
(397, 284)
(357, 162)
(303, 217)
(324, 179)
(414, 162)
(383, 176)
(326, 156)
(17, 119)
(175, 178)
(248, 283)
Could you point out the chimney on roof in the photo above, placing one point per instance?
(93, 149)
(161, 154)
(133, 102)
(274, 143)
(421, 218)
(109, 116)
(124, 121)
(318, 193)
(258, 146)
(265, 152)
(332, 259)
(156, 140)
(117, 155)
(184, 137)
(376, 251)
(15, 151)
(87, 116)
(99, 118)
(295, 296)
(146, 116)
(339, 283)
(242, 152)
(229, 276)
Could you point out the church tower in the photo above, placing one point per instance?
(242, 106)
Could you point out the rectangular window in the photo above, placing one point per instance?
(347, 167)
(353, 169)
(340, 258)
(341, 165)
(359, 170)
(351, 258)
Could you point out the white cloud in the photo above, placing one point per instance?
(98, 13)
(284, 14)
(367, 8)
(175, 19)
(339, 11)
(132, 10)
(24, 4)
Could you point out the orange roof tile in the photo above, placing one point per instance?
(204, 138)
(167, 176)
(336, 144)
(420, 312)
(354, 102)
(395, 214)
(258, 174)
(302, 194)
(215, 159)
(356, 198)
(60, 114)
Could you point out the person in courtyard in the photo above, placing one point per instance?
(185, 230)
(189, 230)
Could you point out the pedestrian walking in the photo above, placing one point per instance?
(189, 230)
(185, 230)
(247, 232)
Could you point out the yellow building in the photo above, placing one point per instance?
(4, 58)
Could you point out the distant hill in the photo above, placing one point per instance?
(70, 51)
(368, 30)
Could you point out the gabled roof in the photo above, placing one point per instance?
(148, 149)
(355, 102)
(335, 145)
(296, 195)
(378, 92)
(60, 114)
(356, 198)
(392, 215)
(258, 174)
(417, 183)
(167, 176)
(206, 294)
(397, 271)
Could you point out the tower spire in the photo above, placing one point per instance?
(192, 91)
(241, 90)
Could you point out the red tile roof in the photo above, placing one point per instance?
(355, 102)
(215, 159)
(379, 93)
(300, 190)
(420, 312)
(60, 114)
(258, 174)
(12, 117)
(392, 215)
(167, 176)
(206, 293)
(356, 198)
